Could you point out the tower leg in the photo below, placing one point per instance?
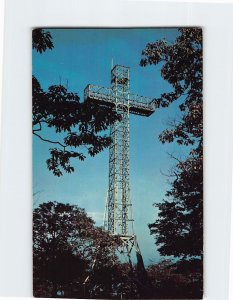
(119, 213)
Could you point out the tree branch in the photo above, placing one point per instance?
(175, 158)
(38, 129)
(49, 141)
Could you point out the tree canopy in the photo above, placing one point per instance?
(182, 68)
(72, 258)
(176, 280)
(179, 226)
(77, 126)
(41, 40)
(65, 245)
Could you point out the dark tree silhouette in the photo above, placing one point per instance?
(41, 40)
(73, 257)
(78, 126)
(178, 229)
(180, 280)
(65, 245)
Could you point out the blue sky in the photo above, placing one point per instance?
(83, 56)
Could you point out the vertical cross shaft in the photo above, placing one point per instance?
(119, 206)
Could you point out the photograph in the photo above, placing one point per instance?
(117, 162)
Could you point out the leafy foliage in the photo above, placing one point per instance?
(182, 68)
(180, 280)
(77, 125)
(41, 40)
(65, 244)
(179, 227)
(78, 259)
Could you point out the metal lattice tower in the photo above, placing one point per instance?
(118, 214)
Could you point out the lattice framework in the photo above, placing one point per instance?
(118, 218)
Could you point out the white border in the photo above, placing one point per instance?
(2, 9)
(15, 189)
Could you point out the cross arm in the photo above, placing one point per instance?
(139, 105)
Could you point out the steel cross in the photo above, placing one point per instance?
(118, 216)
